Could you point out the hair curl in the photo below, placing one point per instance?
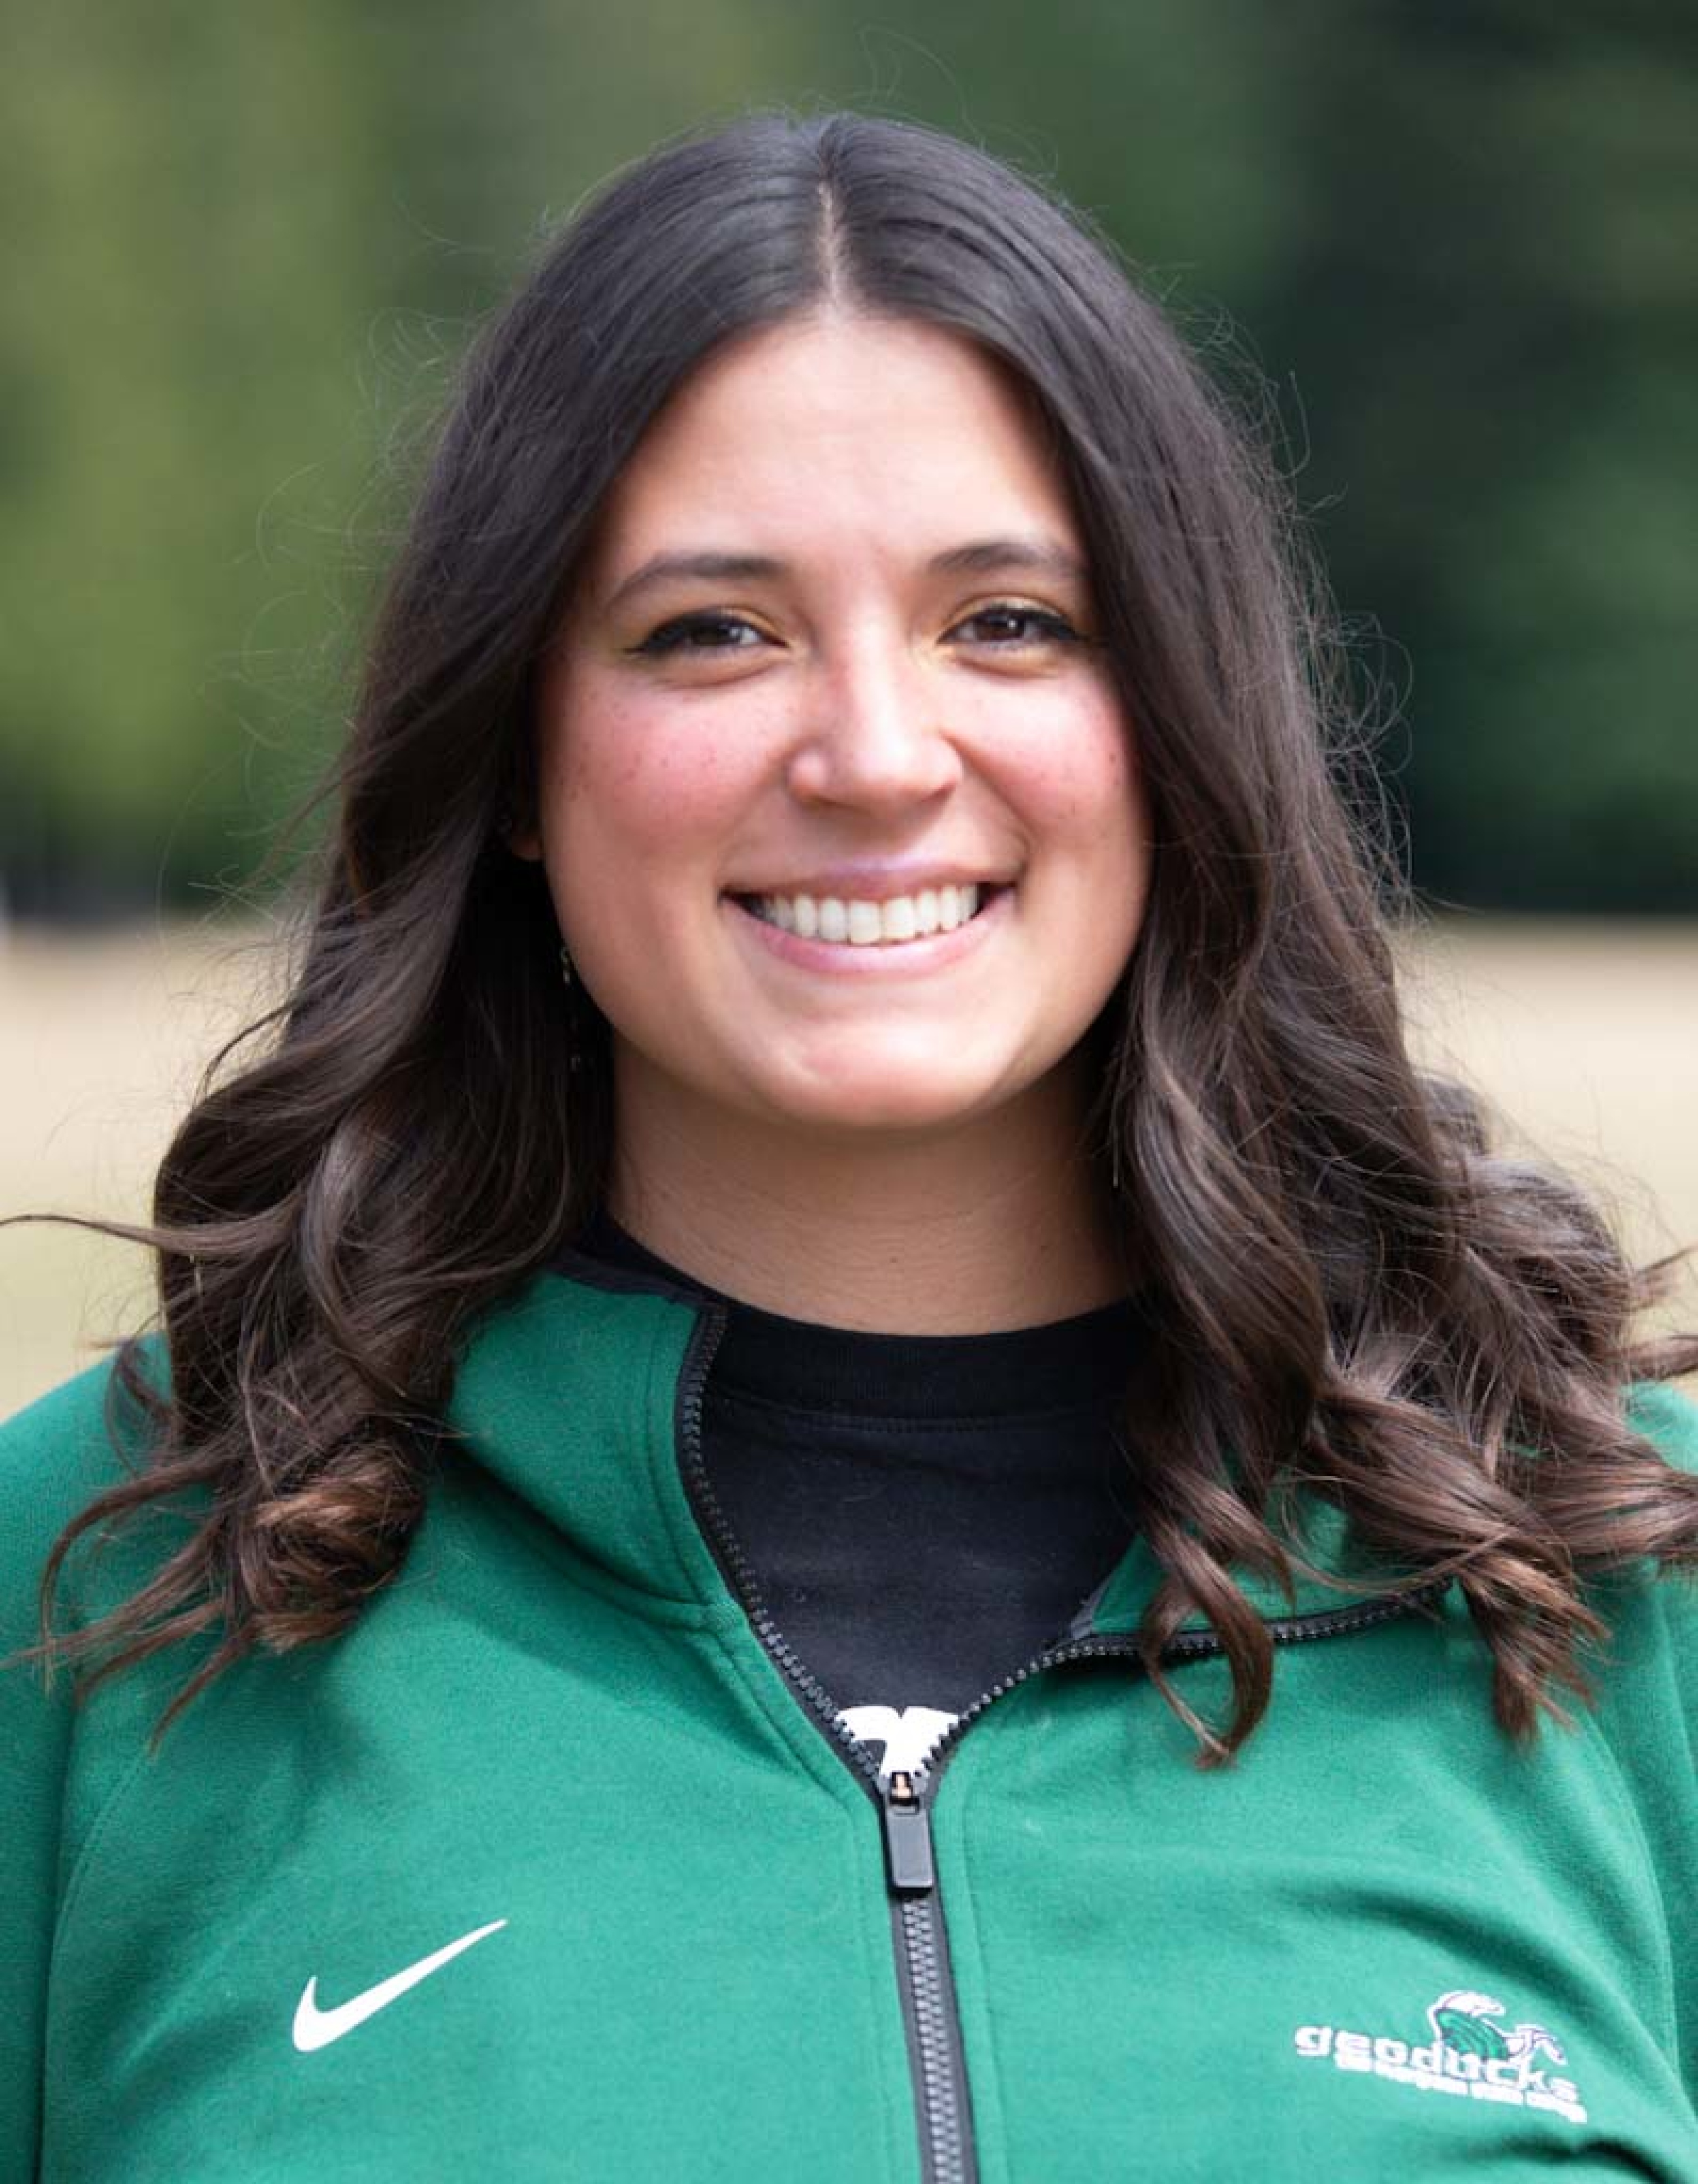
(1353, 1293)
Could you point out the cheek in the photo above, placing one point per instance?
(1083, 779)
(1089, 801)
(1124, 807)
(618, 782)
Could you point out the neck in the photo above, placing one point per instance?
(997, 1223)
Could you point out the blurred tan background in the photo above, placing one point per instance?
(1582, 1032)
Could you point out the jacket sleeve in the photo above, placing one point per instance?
(53, 1457)
(1647, 1684)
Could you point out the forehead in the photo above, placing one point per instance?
(837, 429)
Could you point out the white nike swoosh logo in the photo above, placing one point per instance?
(317, 2028)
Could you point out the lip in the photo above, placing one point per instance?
(890, 959)
(877, 880)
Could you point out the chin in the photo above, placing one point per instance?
(866, 1102)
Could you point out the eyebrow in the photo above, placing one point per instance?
(977, 557)
(714, 568)
(982, 557)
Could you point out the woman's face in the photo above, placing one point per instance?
(837, 803)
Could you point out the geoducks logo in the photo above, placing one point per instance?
(1471, 2054)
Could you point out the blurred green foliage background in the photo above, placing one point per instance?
(246, 245)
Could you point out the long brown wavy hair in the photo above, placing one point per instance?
(1352, 1292)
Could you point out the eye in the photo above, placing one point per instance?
(701, 632)
(1006, 625)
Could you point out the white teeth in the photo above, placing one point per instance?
(864, 924)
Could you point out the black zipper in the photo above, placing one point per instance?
(925, 1983)
(930, 2014)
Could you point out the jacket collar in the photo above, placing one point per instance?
(570, 1394)
(574, 1396)
(1331, 1572)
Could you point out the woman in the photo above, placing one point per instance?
(837, 1270)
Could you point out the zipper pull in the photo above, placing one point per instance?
(907, 1837)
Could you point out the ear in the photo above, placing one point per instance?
(525, 840)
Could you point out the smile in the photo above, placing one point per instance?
(858, 923)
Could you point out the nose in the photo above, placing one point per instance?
(874, 738)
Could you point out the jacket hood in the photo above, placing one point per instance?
(572, 1396)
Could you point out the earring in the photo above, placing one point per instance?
(566, 965)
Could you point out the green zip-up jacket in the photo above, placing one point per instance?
(553, 1866)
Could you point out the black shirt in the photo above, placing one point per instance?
(922, 1514)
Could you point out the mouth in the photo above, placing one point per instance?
(854, 922)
